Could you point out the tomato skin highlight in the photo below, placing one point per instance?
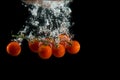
(13, 48)
(45, 52)
(58, 51)
(74, 47)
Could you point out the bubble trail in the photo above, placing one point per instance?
(49, 23)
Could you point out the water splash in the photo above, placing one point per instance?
(48, 19)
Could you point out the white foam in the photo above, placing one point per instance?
(54, 8)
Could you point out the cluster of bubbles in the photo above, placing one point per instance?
(48, 19)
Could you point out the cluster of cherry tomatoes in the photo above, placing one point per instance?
(46, 48)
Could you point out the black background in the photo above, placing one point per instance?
(13, 16)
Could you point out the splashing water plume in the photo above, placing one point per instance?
(49, 22)
(49, 18)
